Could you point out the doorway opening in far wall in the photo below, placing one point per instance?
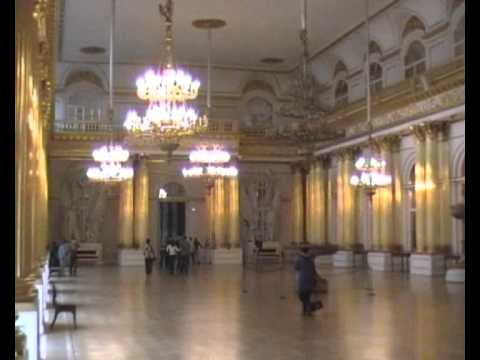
(171, 213)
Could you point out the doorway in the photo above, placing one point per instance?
(171, 219)
(171, 212)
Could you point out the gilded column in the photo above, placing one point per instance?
(322, 200)
(349, 200)
(431, 189)
(227, 218)
(234, 213)
(315, 203)
(398, 225)
(386, 197)
(141, 187)
(340, 201)
(220, 212)
(297, 205)
(125, 214)
(444, 183)
(331, 203)
(420, 186)
(376, 214)
(308, 204)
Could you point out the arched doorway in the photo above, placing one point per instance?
(171, 210)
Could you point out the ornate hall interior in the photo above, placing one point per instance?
(259, 129)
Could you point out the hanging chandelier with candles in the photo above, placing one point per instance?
(210, 161)
(167, 90)
(112, 156)
(371, 170)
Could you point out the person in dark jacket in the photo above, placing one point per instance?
(305, 279)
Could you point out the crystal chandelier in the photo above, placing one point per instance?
(370, 170)
(305, 93)
(370, 174)
(209, 162)
(110, 157)
(167, 91)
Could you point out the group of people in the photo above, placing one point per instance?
(176, 255)
(63, 256)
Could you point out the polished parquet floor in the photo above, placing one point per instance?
(220, 312)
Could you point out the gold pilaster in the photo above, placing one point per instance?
(420, 189)
(220, 212)
(349, 215)
(297, 205)
(141, 202)
(234, 226)
(125, 215)
(340, 200)
(446, 219)
(331, 201)
(431, 188)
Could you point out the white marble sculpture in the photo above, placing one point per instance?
(260, 200)
(83, 207)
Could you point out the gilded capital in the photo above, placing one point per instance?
(419, 132)
(390, 143)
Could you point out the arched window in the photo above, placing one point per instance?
(376, 77)
(341, 93)
(459, 39)
(412, 207)
(415, 60)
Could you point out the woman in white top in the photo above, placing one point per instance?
(172, 251)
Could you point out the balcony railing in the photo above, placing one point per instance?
(85, 127)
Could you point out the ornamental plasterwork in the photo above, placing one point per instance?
(434, 104)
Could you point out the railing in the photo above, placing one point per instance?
(69, 126)
(85, 127)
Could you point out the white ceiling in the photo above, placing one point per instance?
(255, 29)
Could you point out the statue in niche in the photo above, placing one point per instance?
(259, 114)
(83, 206)
(260, 207)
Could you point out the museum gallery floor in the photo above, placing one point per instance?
(208, 315)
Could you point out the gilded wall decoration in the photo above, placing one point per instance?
(446, 100)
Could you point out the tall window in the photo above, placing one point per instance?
(415, 60)
(459, 38)
(412, 210)
(376, 77)
(341, 93)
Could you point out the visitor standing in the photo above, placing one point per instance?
(172, 251)
(53, 261)
(64, 255)
(149, 254)
(306, 275)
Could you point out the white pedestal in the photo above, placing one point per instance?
(426, 264)
(90, 253)
(131, 257)
(455, 275)
(323, 260)
(227, 256)
(343, 258)
(28, 320)
(379, 261)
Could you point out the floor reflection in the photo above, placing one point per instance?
(206, 315)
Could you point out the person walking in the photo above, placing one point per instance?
(73, 258)
(172, 251)
(306, 276)
(196, 248)
(149, 254)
